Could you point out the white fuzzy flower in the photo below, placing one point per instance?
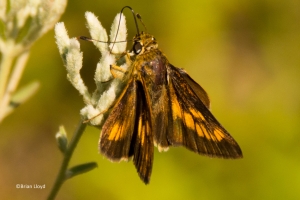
(27, 20)
(108, 87)
(22, 22)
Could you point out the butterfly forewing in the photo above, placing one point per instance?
(143, 141)
(193, 124)
(117, 131)
(127, 131)
(199, 91)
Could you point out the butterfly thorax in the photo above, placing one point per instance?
(150, 63)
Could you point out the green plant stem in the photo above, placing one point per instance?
(12, 83)
(67, 156)
(5, 66)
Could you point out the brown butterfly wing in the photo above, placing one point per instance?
(193, 124)
(127, 131)
(143, 143)
(117, 132)
(199, 91)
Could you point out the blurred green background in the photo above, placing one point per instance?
(244, 53)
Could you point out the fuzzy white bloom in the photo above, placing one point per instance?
(62, 38)
(108, 87)
(97, 32)
(120, 36)
(22, 22)
(25, 21)
(69, 49)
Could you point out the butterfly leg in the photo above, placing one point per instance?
(102, 112)
(116, 67)
(120, 69)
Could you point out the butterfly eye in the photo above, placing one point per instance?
(153, 39)
(137, 47)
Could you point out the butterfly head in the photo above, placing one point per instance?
(143, 43)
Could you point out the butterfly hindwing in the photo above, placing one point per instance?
(193, 124)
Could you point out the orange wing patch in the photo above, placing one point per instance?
(116, 132)
(188, 119)
(218, 134)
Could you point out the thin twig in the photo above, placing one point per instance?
(67, 157)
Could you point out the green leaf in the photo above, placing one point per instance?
(24, 30)
(80, 169)
(61, 139)
(25, 92)
(2, 30)
(22, 95)
(8, 6)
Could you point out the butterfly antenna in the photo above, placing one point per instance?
(90, 39)
(140, 18)
(135, 21)
(93, 40)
